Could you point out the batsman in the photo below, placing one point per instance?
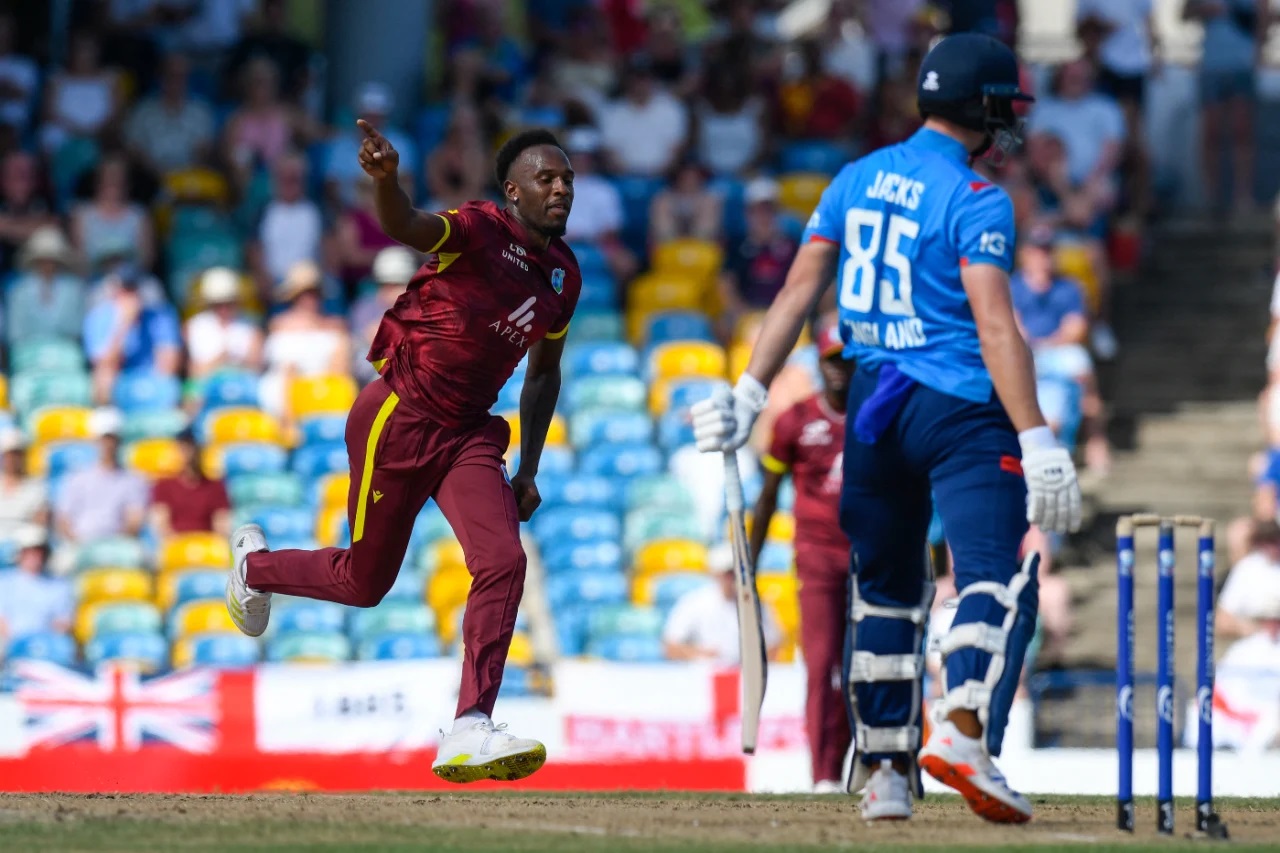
(942, 408)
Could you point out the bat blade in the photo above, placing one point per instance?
(751, 642)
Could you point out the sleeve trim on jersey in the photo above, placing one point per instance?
(555, 336)
(983, 259)
(448, 228)
(818, 238)
(771, 463)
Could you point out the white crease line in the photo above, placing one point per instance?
(1074, 836)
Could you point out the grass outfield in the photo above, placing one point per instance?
(590, 823)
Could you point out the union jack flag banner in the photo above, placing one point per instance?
(116, 707)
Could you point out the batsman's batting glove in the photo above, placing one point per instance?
(722, 423)
(1053, 493)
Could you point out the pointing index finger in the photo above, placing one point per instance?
(369, 130)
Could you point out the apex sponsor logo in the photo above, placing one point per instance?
(518, 323)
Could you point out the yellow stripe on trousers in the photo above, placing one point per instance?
(370, 451)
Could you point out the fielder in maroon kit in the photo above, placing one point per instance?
(500, 283)
(808, 443)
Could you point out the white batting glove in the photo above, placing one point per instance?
(722, 423)
(1053, 493)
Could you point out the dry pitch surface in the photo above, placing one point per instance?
(613, 823)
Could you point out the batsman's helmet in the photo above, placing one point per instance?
(972, 80)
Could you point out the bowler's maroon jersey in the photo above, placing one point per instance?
(808, 443)
(455, 336)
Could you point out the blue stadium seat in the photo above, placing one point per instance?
(625, 619)
(399, 646)
(601, 557)
(301, 543)
(787, 495)
(591, 258)
(140, 391)
(733, 191)
(252, 458)
(571, 629)
(430, 126)
(674, 429)
(601, 358)
(284, 522)
(813, 155)
(579, 490)
(402, 617)
(150, 650)
(685, 393)
(198, 585)
(627, 648)
(67, 456)
(555, 462)
(46, 645)
(309, 648)
(590, 427)
(324, 428)
(670, 588)
(410, 585)
(776, 557)
(227, 651)
(313, 460)
(8, 552)
(230, 388)
(516, 683)
(622, 461)
(304, 615)
(509, 396)
(637, 193)
(585, 588)
(282, 489)
(679, 326)
(596, 325)
(431, 522)
(599, 292)
(564, 525)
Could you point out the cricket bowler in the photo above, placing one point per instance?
(943, 401)
(500, 284)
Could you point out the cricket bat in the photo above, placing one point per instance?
(751, 644)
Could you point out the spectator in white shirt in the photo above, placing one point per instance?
(220, 337)
(1090, 125)
(102, 500)
(24, 500)
(703, 624)
(292, 227)
(1246, 696)
(170, 130)
(1250, 583)
(646, 130)
(31, 602)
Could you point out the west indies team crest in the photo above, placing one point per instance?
(557, 280)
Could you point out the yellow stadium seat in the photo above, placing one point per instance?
(1074, 261)
(779, 592)
(557, 432)
(521, 651)
(446, 590)
(688, 359)
(739, 358)
(798, 192)
(105, 584)
(671, 555)
(182, 653)
(659, 396)
(59, 423)
(321, 395)
(329, 525)
(201, 617)
(198, 185)
(4, 391)
(665, 291)
(242, 424)
(747, 327)
(154, 457)
(782, 527)
(701, 259)
(191, 550)
(334, 488)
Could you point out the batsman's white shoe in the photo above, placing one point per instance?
(249, 609)
(887, 795)
(485, 751)
(828, 786)
(961, 762)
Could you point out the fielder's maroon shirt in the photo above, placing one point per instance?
(808, 443)
(470, 313)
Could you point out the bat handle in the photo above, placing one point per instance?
(733, 498)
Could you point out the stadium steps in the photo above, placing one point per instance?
(1184, 422)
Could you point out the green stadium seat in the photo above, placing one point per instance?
(278, 489)
(116, 552)
(625, 619)
(400, 617)
(309, 648)
(34, 390)
(51, 355)
(647, 524)
(159, 423)
(597, 326)
(607, 392)
(661, 491)
(126, 617)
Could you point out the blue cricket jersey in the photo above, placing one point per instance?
(907, 219)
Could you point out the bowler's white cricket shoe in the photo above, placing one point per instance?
(961, 762)
(485, 751)
(887, 795)
(828, 786)
(249, 609)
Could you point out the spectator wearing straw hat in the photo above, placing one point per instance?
(301, 339)
(392, 269)
(30, 601)
(23, 499)
(104, 499)
(47, 299)
(220, 337)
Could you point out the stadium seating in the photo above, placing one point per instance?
(272, 489)
(594, 426)
(234, 460)
(230, 389)
(309, 648)
(108, 584)
(58, 423)
(116, 617)
(670, 555)
(153, 457)
(112, 552)
(45, 646)
(192, 550)
(239, 424)
(149, 651)
(301, 615)
(319, 396)
(200, 617)
(48, 355)
(179, 587)
(31, 391)
(410, 646)
(392, 617)
(146, 392)
(798, 192)
(219, 650)
(594, 557)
